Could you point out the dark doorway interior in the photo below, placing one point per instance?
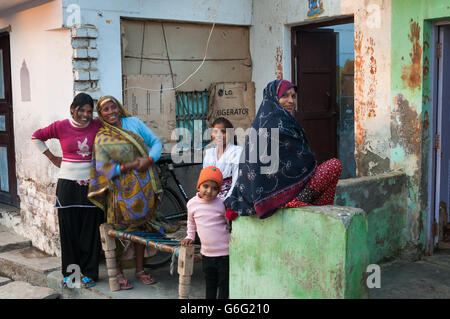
(323, 68)
(8, 182)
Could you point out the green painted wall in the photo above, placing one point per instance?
(311, 252)
(383, 198)
(411, 88)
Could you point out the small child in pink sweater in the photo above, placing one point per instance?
(206, 215)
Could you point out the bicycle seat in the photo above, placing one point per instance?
(165, 158)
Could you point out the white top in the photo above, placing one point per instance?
(228, 163)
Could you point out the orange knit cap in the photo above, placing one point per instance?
(210, 173)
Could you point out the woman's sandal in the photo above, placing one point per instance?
(124, 283)
(87, 282)
(63, 283)
(146, 279)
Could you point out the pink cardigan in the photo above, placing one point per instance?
(208, 219)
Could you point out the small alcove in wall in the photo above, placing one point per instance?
(25, 89)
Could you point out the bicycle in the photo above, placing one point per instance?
(171, 207)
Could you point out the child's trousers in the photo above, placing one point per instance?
(216, 270)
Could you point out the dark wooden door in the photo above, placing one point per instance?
(316, 79)
(8, 183)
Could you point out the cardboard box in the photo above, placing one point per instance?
(150, 98)
(235, 101)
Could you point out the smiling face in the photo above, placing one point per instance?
(82, 114)
(208, 190)
(219, 135)
(110, 112)
(289, 100)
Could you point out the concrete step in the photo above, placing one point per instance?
(23, 290)
(11, 241)
(32, 266)
(4, 281)
(28, 264)
(166, 286)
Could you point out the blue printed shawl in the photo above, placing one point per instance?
(262, 194)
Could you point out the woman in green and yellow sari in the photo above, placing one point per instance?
(124, 182)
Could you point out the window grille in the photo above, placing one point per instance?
(191, 111)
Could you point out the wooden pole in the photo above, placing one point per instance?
(109, 247)
(141, 241)
(185, 257)
(185, 270)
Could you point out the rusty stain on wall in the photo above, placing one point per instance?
(412, 73)
(365, 97)
(279, 63)
(371, 106)
(359, 84)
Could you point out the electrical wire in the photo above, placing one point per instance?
(193, 73)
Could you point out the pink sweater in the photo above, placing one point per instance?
(208, 219)
(76, 143)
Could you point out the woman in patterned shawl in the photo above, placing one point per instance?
(124, 183)
(296, 180)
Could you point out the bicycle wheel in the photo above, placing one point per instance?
(160, 259)
(171, 207)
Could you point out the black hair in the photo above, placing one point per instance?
(225, 122)
(82, 99)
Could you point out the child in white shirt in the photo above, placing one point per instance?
(225, 155)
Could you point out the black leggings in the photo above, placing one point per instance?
(216, 271)
(80, 239)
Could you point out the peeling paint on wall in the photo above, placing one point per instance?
(359, 88)
(39, 218)
(279, 63)
(372, 90)
(405, 126)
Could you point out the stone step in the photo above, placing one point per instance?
(4, 281)
(28, 264)
(11, 241)
(23, 290)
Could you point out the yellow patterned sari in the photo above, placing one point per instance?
(129, 199)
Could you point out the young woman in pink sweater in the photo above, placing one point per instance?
(206, 215)
(78, 218)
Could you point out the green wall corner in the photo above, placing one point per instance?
(310, 252)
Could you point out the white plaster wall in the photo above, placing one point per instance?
(372, 84)
(270, 37)
(106, 17)
(41, 37)
(48, 54)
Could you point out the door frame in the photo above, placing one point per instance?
(310, 26)
(434, 180)
(10, 198)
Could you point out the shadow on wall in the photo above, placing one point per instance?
(383, 198)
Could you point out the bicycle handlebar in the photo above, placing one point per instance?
(167, 159)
